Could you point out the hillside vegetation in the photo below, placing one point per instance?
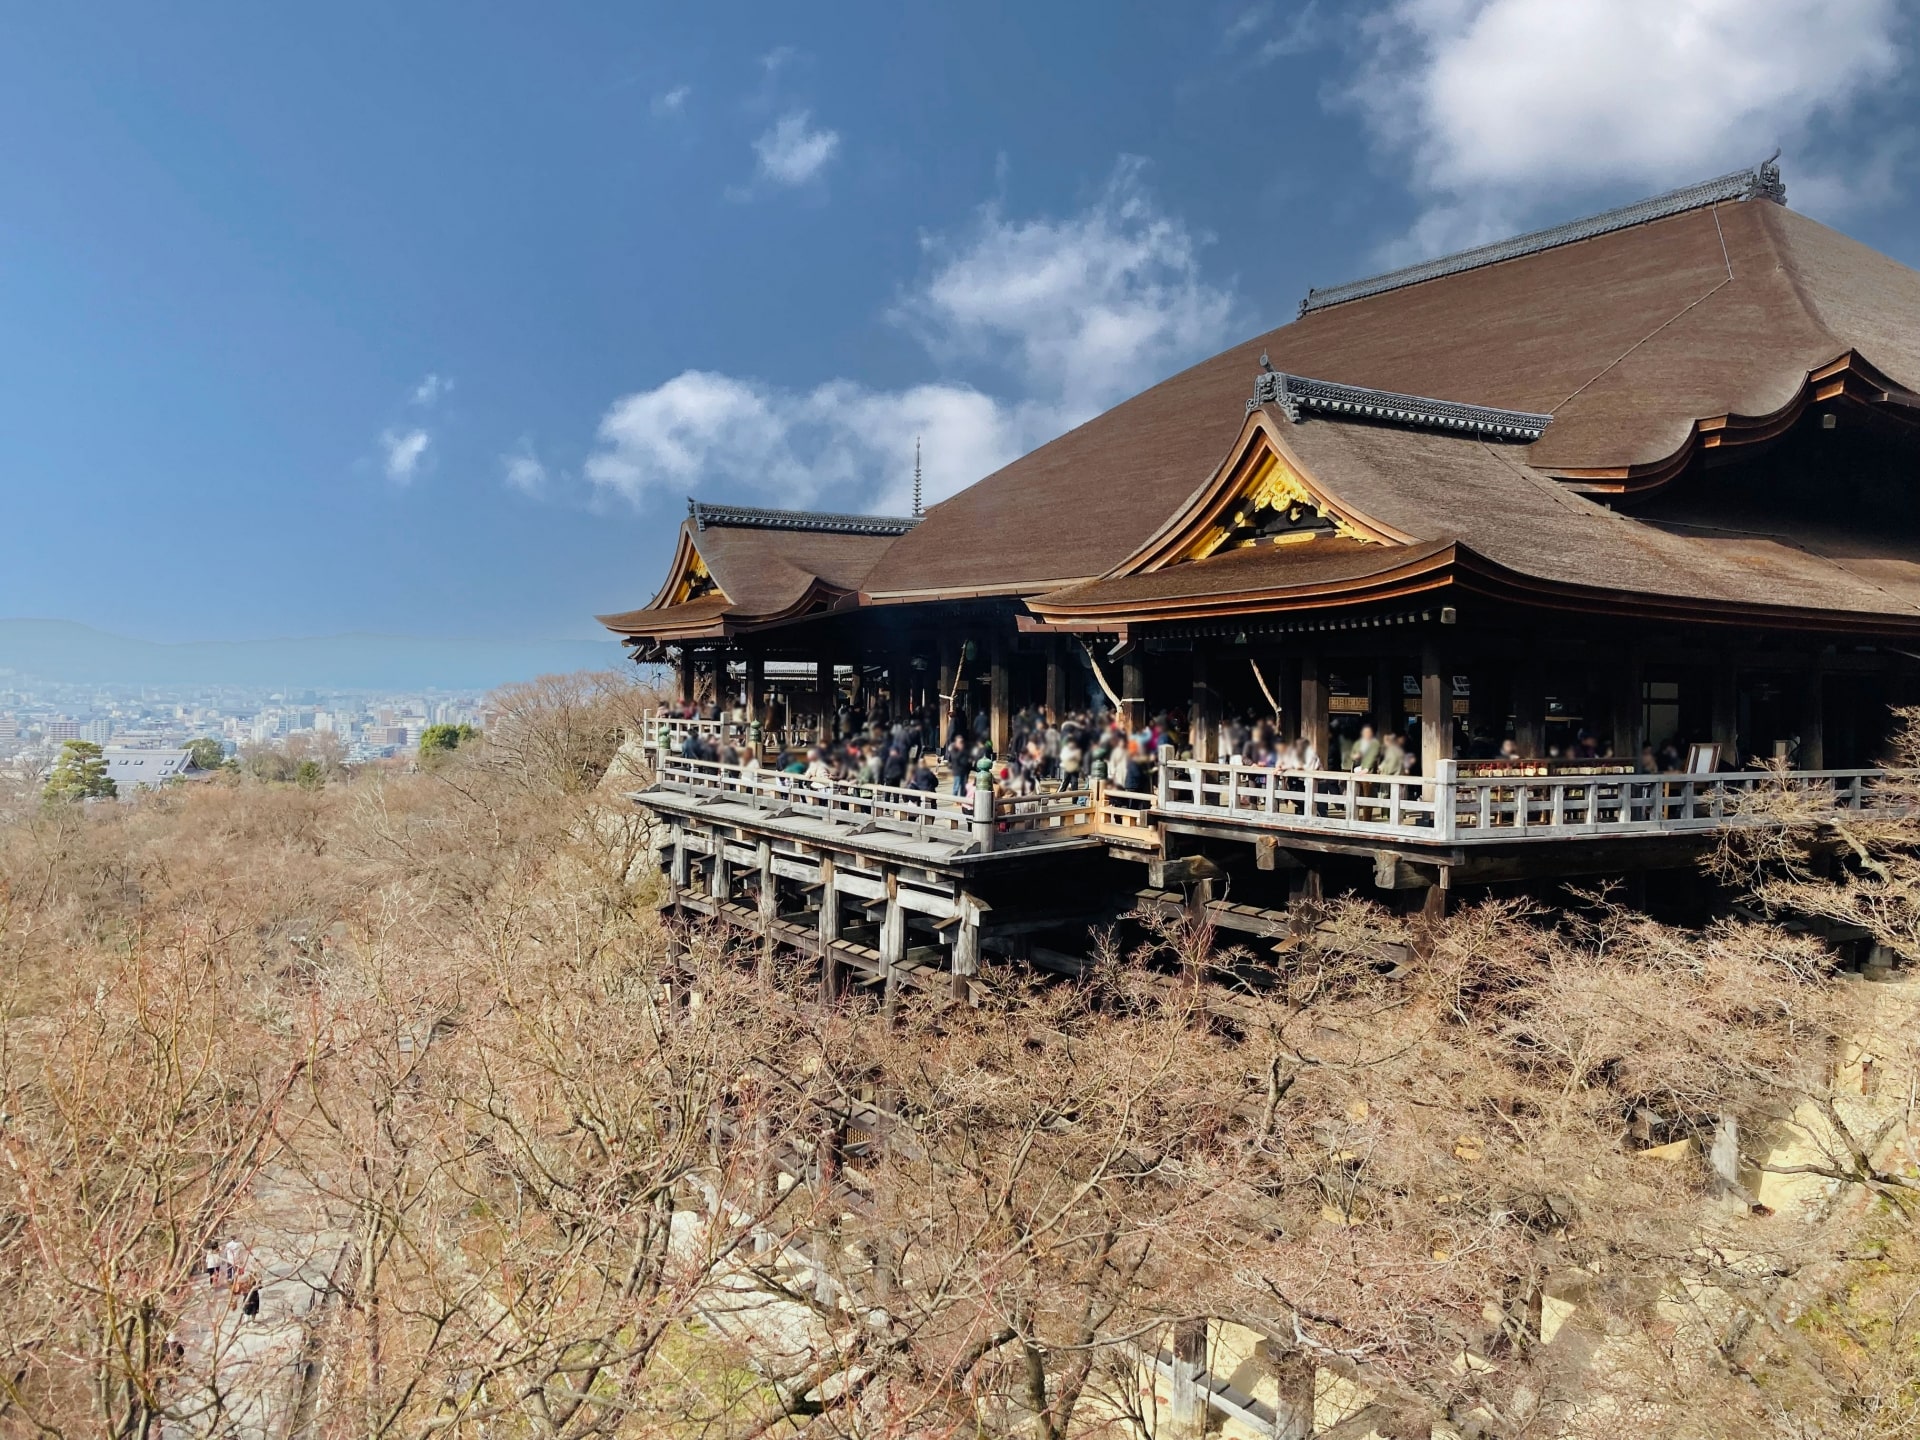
(559, 1173)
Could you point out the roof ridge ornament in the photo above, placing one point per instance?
(1760, 182)
(1296, 395)
(750, 517)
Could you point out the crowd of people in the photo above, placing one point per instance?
(911, 751)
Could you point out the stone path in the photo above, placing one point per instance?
(244, 1377)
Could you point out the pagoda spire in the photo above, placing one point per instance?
(918, 508)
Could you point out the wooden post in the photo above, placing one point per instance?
(966, 946)
(1204, 720)
(1626, 699)
(720, 881)
(893, 943)
(1289, 697)
(828, 695)
(1726, 712)
(756, 687)
(677, 871)
(1436, 711)
(1314, 728)
(900, 683)
(1056, 680)
(829, 932)
(1002, 700)
(945, 701)
(1813, 738)
(684, 665)
(1133, 692)
(983, 815)
(769, 908)
(1389, 715)
(1529, 715)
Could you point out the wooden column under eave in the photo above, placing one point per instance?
(1056, 679)
(827, 696)
(944, 701)
(684, 667)
(1314, 727)
(1133, 692)
(756, 687)
(1203, 721)
(1626, 702)
(1813, 737)
(1288, 695)
(1529, 714)
(1436, 710)
(1001, 700)
(1726, 712)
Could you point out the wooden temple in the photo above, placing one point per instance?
(1642, 480)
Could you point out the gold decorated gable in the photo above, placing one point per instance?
(694, 582)
(1274, 507)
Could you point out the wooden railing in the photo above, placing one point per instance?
(1454, 808)
(669, 732)
(986, 822)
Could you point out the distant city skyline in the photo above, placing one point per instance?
(425, 320)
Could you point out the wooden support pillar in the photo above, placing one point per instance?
(1389, 715)
(827, 701)
(1529, 715)
(1314, 727)
(1626, 704)
(1056, 679)
(1726, 712)
(684, 667)
(1001, 731)
(1133, 691)
(720, 878)
(1813, 738)
(893, 939)
(1204, 720)
(948, 670)
(769, 908)
(756, 688)
(1289, 670)
(1436, 710)
(829, 932)
(678, 867)
(900, 683)
(966, 946)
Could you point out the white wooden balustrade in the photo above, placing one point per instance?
(1464, 809)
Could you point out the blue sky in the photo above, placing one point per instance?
(425, 318)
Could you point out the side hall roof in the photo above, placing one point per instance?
(738, 567)
(1642, 338)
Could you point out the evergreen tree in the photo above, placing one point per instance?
(80, 773)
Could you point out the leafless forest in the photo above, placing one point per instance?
(515, 1162)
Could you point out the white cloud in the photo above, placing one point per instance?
(1495, 102)
(431, 389)
(1072, 315)
(1254, 32)
(778, 58)
(672, 102)
(793, 152)
(404, 452)
(524, 470)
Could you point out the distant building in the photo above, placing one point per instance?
(9, 728)
(132, 770)
(98, 731)
(59, 730)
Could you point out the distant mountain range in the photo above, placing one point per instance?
(65, 652)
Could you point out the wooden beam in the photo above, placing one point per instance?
(829, 932)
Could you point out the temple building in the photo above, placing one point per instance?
(1596, 520)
